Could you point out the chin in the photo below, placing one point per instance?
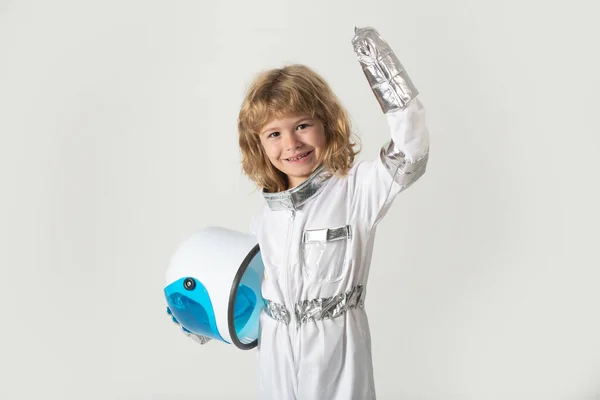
(305, 170)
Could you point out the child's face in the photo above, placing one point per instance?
(294, 145)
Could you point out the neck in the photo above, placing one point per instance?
(293, 182)
(300, 191)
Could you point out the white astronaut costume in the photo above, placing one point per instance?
(316, 242)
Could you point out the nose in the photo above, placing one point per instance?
(291, 141)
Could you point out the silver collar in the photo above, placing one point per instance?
(293, 198)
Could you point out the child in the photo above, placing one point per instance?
(317, 228)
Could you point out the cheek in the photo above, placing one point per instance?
(271, 152)
(323, 141)
(320, 140)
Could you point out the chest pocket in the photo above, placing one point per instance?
(324, 253)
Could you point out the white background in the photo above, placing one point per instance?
(118, 139)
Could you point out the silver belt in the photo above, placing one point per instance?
(318, 309)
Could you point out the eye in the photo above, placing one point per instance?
(273, 134)
(303, 126)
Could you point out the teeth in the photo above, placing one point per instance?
(298, 158)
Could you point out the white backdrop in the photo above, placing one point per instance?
(118, 139)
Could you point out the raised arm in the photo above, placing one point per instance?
(403, 159)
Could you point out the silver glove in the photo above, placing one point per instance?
(388, 79)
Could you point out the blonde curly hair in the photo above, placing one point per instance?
(292, 90)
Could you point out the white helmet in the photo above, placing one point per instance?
(213, 287)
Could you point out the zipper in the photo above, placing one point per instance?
(290, 305)
(290, 233)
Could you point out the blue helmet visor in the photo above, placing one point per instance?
(192, 308)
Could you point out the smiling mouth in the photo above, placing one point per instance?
(300, 157)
